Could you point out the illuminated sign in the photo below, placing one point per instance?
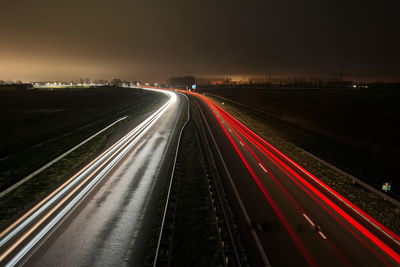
(386, 187)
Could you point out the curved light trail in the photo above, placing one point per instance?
(31, 228)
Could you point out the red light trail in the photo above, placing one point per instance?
(265, 148)
(293, 171)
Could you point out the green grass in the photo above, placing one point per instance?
(279, 134)
(31, 192)
(38, 126)
(43, 183)
(354, 129)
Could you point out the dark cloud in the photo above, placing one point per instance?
(155, 39)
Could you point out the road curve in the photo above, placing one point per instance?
(287, 216)
(99, 216)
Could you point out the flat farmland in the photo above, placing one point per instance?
(354, 129)
(37, 126)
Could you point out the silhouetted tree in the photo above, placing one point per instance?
(116, 82)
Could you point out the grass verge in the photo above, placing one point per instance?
(277, 133)
(31, 192)
(38, 126)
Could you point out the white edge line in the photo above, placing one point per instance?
(30, 176)
(298, 167)
(133, 134)
(245, 213)
(169, 187)
(90, 186)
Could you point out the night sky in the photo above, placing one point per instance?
(153, 40)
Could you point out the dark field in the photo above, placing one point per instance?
(355, 129)
(37, 126)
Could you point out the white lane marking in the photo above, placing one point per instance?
(172, 176)
(309, 220)
(335, 194)
(42, 206)
(239, 199)
(322, 235)
(241, 143)
(332, 192)
(262, 167)
(131, 139)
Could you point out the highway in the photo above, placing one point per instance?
(102, 215)
(286, 215)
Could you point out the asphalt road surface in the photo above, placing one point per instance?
(100, 217)
(287, 216)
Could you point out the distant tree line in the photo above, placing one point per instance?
(293, 82)
(113, 82)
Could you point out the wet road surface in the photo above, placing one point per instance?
(110, 226)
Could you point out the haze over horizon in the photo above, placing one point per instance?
(154, 40)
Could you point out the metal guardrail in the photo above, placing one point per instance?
(29, 227)
(216, 203)
(356, 180)
(353, 178)
(170, 187)
(228, 243)
(237, 196)
(233, 248)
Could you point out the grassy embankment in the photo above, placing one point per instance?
(39, 186)
(289, 137)
(37, 126)
(354, 129)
